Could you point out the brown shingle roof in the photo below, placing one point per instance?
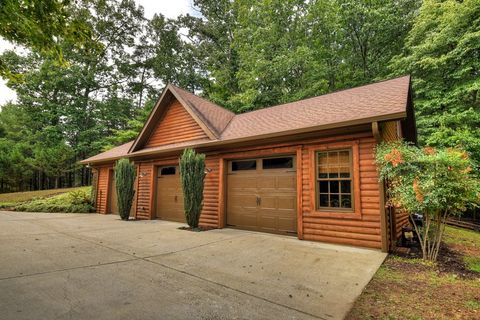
(214, 116)
(112, 154)
(378, 101)
(373, 100)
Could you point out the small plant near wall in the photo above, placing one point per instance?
(192, 174)
(124, 181)
(438, 183)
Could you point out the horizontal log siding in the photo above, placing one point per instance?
(102, 189)
(210, 211)
(144, 186)
(176, 126)
(401, 220)
(362, 231)
(389, 131)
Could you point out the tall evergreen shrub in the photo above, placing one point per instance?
(192, 174)
(124, 180)
(93, 190)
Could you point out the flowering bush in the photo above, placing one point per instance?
(436, 182)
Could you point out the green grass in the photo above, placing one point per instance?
(461, 237)
(16, 197)
(60, 200)
(472, 304)
(473, 263)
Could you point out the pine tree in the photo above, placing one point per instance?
(192, 174)
(124, 179)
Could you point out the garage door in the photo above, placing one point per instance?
(261, 195)
(169, 198)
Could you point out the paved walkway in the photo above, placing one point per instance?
(89, 266)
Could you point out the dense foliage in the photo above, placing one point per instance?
(436, 182)
(124, 183)
(42, 25)
(242, 54)
(192, 175)
(442, 53)
(78, 201)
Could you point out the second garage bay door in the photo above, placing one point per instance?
(169, 197)
(261, 195)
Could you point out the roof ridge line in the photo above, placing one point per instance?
(205, 99)
(325, 94)
(197, 116)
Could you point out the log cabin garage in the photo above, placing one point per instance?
(304, 168)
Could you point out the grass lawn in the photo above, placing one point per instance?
(408, 288)
(54, 200)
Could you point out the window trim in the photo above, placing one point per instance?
(352, 189)
(356, 200)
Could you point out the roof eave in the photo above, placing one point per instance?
(395, 116)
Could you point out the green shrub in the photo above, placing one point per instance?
(439, 183)
(192, 174)
(79, 197)
(124, 179)
(77, 201)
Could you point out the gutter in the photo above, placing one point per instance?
(393, 116)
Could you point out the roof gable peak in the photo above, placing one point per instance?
(169, 94)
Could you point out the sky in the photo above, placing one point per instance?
(169, 8)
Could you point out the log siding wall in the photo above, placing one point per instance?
(211, 192)
(362, 229)
(391, 131)
(176, 126)
(144, 195)
(102, 188)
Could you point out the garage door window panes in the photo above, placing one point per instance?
(277, 163)
(168, 171)
(244, 165)
(334, 180)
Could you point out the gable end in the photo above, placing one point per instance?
(176, 125)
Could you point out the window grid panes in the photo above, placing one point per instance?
(244, 165)
(168, 171)
(334, 179)
(277, 163)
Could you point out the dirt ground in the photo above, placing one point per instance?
(405, 287)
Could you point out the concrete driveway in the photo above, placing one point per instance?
(88, 266)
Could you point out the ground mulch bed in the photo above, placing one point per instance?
(198, 229)
(405, 287)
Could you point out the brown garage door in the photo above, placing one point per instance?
(169, 198)
(261, 195)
